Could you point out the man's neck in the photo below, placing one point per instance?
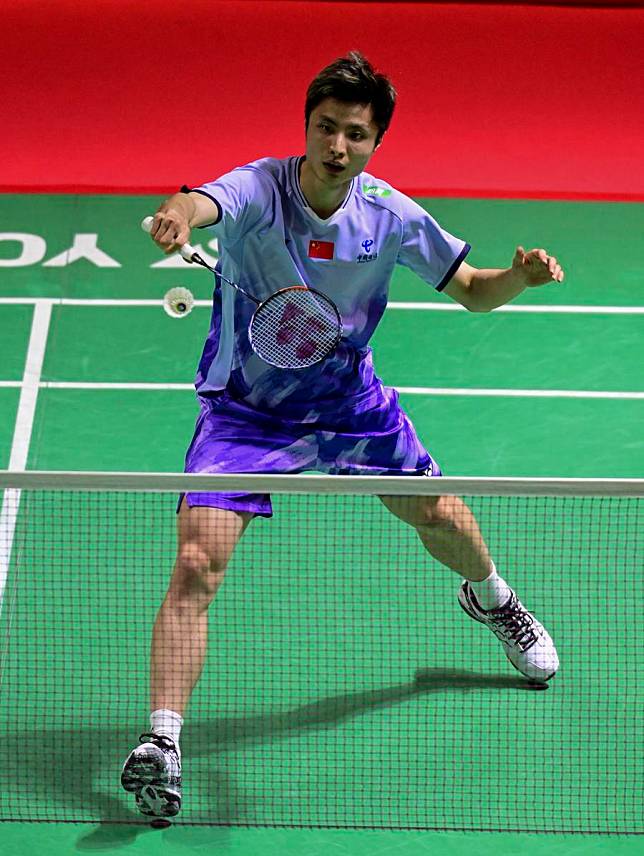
(324, 200)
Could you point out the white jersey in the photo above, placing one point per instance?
(270, 238)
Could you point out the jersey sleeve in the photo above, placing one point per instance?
(242, 197)
(427, 249)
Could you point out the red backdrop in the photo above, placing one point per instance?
(513, 100)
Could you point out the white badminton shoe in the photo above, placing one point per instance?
(526, 642)
(152, 772)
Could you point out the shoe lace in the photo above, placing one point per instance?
(514, 624)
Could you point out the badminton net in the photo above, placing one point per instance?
(343, 685)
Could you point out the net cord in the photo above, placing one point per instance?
(319, 484)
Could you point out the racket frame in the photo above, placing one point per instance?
(325, 300)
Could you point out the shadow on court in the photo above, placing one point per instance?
(228, 732)
(72, 775)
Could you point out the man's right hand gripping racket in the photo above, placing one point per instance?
(294, 328)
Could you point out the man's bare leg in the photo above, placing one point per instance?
(206, 540)
(448, 530)
(450, 533)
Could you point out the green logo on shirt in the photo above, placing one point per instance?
(375, 190)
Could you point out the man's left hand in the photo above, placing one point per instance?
(536, 267)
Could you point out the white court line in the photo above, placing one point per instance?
(408, 390)
(64, 384)
(22, 432)
(518, 393)
(543, 308)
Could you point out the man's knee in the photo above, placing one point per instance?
(439, 512)
(425, 512)
(198, 571)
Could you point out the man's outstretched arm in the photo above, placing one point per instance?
(481, 290)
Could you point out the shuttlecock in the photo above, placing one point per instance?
(178, 302)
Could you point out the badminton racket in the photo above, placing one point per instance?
(294, 328)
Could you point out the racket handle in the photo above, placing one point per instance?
(187, 251)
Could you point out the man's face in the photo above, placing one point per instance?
(340, 139)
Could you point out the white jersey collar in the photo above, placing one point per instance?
(301, 198)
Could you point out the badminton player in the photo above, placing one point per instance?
(321, 220)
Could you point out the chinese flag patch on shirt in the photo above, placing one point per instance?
(321, 249)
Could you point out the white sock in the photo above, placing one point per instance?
(166, 722)
(491, 592)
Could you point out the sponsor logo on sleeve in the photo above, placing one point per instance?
(376, 190)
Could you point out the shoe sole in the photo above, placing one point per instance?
(141, 778)
(480, 621)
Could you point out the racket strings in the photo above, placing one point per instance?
(295, 328)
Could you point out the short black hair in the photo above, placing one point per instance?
(353, 79)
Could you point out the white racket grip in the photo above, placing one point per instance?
(187, 251)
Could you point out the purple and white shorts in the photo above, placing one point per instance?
(233, 437)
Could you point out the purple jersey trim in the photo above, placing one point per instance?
(212, 199)
(455, 266)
